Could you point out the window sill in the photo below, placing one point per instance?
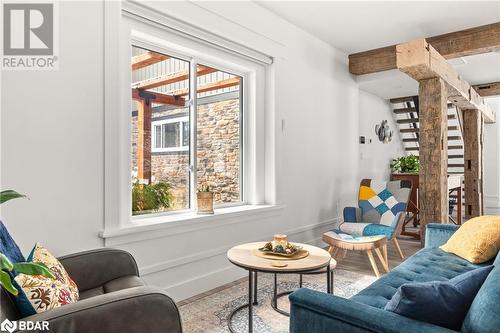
(168, 225)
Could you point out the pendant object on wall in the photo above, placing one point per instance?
(383, 132)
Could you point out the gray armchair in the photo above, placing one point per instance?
(112, 298)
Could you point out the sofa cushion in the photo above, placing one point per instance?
(113, 285)
(443, 303)
(38, 293)
(125, 282)
(478, 240)
(484, 313)
(429, 264)
(91, 293)
(359, 229)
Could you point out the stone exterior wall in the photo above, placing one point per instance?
(219, 149)
(218, 142)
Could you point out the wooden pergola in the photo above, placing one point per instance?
(425, 60)
(145, 97)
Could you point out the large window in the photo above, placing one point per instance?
(182, 140)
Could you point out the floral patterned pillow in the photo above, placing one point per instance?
(38, 293)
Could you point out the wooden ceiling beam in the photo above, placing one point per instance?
(477, 40)
(147, 59)
(373, 61)
(421, 61)
(227, 83)
(488, 89)
(171, 78)
(176, 98)
(462, 43)
(158, 98)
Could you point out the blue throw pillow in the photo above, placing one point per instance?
(8, 246)
(443, 303)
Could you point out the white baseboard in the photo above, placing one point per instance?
(491, 201)
(199, 283)
(203, 283)
(190, 258)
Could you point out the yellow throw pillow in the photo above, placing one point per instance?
(477, 240)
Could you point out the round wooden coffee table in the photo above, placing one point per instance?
(317, 262)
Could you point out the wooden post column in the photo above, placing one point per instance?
(144, 140)
(473, 158)
(433, 188)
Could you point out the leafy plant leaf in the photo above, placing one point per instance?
(151, 196)
(406, 164)
(31, 268)
(8, 195)
(6, 282)
(5, 263)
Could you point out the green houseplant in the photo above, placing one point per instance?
(151, 197)
(406, 164)
(6, 266)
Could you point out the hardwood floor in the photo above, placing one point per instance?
(357, 261)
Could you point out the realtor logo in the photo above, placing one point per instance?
(28, 29)
(29, 36)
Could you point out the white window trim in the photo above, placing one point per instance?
(159, 226)
(154, 123)
(259, 177)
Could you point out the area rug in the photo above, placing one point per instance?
(209, 313)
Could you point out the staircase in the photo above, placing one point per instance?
(406, 115)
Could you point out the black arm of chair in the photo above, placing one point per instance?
(93, 268)
(133, 310)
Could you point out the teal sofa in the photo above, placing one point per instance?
(317, 312)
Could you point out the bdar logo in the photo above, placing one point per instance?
(8, 326)
(11, 326)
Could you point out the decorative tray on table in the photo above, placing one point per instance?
(280, 249)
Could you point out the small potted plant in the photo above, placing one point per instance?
(205, 200)
(406, 164)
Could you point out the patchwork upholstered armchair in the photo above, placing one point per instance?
(381, 211)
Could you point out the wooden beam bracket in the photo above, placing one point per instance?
(421, 61)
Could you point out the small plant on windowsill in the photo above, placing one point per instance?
(6, 266)
(205, 200)
(406, 164)
(151, 197)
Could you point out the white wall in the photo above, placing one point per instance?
(491, 189)
(52, 140)
(375, 156)
(52, 145)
